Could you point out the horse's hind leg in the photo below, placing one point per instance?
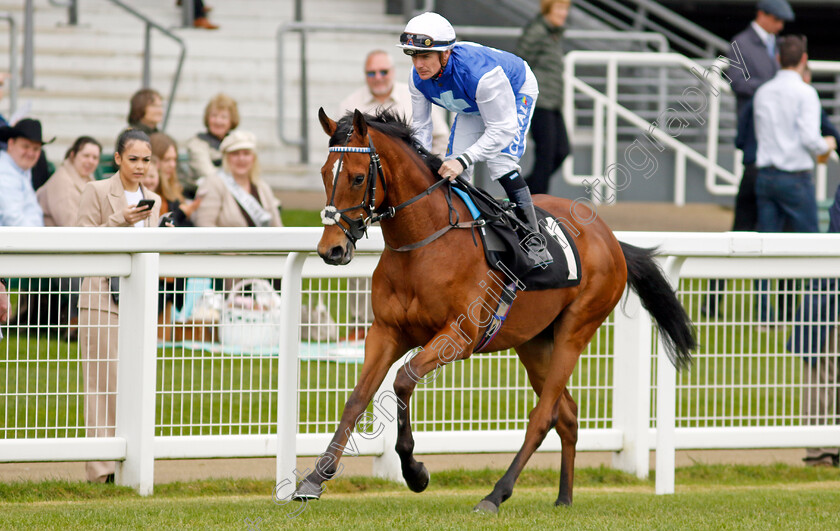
(567, 429)
(572, 334)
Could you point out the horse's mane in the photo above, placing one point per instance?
(391, 124)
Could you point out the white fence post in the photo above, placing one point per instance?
(631, 386)
(387, 465)
(287, 378)
(136, 372)
(666, 400)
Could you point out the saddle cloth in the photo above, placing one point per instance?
(502, 235)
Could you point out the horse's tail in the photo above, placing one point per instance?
(673, 323)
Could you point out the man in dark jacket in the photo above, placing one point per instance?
(756, 47)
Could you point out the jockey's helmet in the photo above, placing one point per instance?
(427, 32)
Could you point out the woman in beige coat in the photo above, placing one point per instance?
(111, 202)
(59, 199)
(59, 196)
(236, 196)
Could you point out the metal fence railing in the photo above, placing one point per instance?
(221, 368)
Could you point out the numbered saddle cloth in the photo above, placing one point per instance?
(503, 238)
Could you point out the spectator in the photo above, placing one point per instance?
(757, 45)
(200, 12)
(165, 150)
(236, 196)
(18, 204)
(109, 203)
(541, 45)
(787, 126)
(221, 116)
(382, 93)
(146, 110)
(815, 339)
(59, 199)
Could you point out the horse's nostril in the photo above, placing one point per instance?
(336, 253)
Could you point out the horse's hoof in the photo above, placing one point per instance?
(307, 491)
(563, 502)
(486, 507)
(419, 481)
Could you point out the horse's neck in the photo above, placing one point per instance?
(407, 179)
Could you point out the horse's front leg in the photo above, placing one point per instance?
(382, 348)
(444, 348)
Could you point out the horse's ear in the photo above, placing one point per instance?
(359, 123)
(326, 123)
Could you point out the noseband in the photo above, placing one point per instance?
(356, 228)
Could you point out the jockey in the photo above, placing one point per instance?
(492, 93)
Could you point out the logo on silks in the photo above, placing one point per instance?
(524, 100)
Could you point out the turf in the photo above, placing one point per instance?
(708, 497)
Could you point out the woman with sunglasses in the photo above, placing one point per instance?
(492, 93)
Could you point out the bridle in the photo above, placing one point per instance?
(356, 228)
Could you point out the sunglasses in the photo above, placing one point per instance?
(372, 73)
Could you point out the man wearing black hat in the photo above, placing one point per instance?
(18, 204)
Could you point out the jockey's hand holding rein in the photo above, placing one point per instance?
(451, 169)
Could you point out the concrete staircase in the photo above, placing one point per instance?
(85, 75)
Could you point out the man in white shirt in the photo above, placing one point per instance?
(787, 125)
(381, 93)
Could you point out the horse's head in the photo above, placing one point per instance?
(351, 174)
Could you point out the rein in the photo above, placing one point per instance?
(356, 228)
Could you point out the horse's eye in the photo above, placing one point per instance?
(358, 180)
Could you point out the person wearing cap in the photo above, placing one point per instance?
(757, 46)
(754, 63)
(235, 196)
(18, 204)
(381, 93)
(492, 93)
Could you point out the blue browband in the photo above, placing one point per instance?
(350, 149)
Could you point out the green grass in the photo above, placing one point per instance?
(300, 218)
(708, 497)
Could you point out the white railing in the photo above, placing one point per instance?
(607, 112)
(700, 100)
(210, 400)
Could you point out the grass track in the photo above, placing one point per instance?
(708, 497)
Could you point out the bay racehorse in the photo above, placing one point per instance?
(429, 278)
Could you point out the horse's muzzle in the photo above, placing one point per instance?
(337, 254)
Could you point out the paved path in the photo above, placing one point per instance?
(264, 468)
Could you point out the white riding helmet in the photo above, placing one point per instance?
(428, 32)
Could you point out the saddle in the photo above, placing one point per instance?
(503, 234)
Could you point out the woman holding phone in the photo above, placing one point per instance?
(119, 201)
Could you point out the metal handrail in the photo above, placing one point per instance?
(608, 110)
(12, 61)
(72, 10)
(654, 39)
(714, 45)
(147, 55)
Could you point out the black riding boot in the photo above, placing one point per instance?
(518, 192)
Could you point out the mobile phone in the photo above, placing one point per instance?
(146, 204)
